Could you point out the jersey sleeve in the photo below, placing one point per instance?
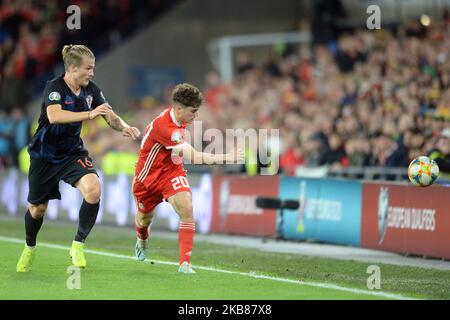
(169, 137)
(53, 94)
(97, 96)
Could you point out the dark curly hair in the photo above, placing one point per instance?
(187, 95)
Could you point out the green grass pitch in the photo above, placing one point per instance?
(223, 272)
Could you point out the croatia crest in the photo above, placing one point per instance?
(89, 101)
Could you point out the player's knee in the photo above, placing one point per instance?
(92, 193)
(37, 211)
(144, 219)
(186, 211)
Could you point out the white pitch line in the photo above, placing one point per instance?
(246, 274)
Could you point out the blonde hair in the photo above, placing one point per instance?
(74, 53)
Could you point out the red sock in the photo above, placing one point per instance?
(142, 233)
(186, 231)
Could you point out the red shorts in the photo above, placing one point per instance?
(147, 198)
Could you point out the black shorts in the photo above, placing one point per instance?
(44, 177)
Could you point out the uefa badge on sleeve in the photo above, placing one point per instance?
(54, 96)
(177, 137)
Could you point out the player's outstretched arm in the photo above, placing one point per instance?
(115, 122)
(56, 114)
(196, 157)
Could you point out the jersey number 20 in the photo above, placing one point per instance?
(179, 182)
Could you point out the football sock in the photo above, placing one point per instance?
(142, 233)
(87, 217)
(32, 227)
(186, 231)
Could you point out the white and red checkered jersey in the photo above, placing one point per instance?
(155, 158)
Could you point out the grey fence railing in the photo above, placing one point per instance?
(370, 173)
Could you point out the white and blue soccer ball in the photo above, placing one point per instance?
(423, 171)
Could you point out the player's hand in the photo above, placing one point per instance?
(101, 110)
(237, 156)
(131, 132)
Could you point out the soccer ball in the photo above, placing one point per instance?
(423, 171)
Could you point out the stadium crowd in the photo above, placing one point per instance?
(371, 98)
(31, 35)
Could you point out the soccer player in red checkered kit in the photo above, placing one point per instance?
(160, 175)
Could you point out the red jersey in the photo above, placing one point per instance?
(155, 158)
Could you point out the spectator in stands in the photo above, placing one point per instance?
(390, 153)
(335, 155)
(292, 156)
(358, 152)
(348, 53)
(12, 90)
(314, 152)
(441, 154)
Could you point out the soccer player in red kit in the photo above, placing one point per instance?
(160, 175)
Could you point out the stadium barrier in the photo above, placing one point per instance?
(389, 216)
(234, 208)
(117, 205)
(330, 210)
(406, 219)
(362, 173)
